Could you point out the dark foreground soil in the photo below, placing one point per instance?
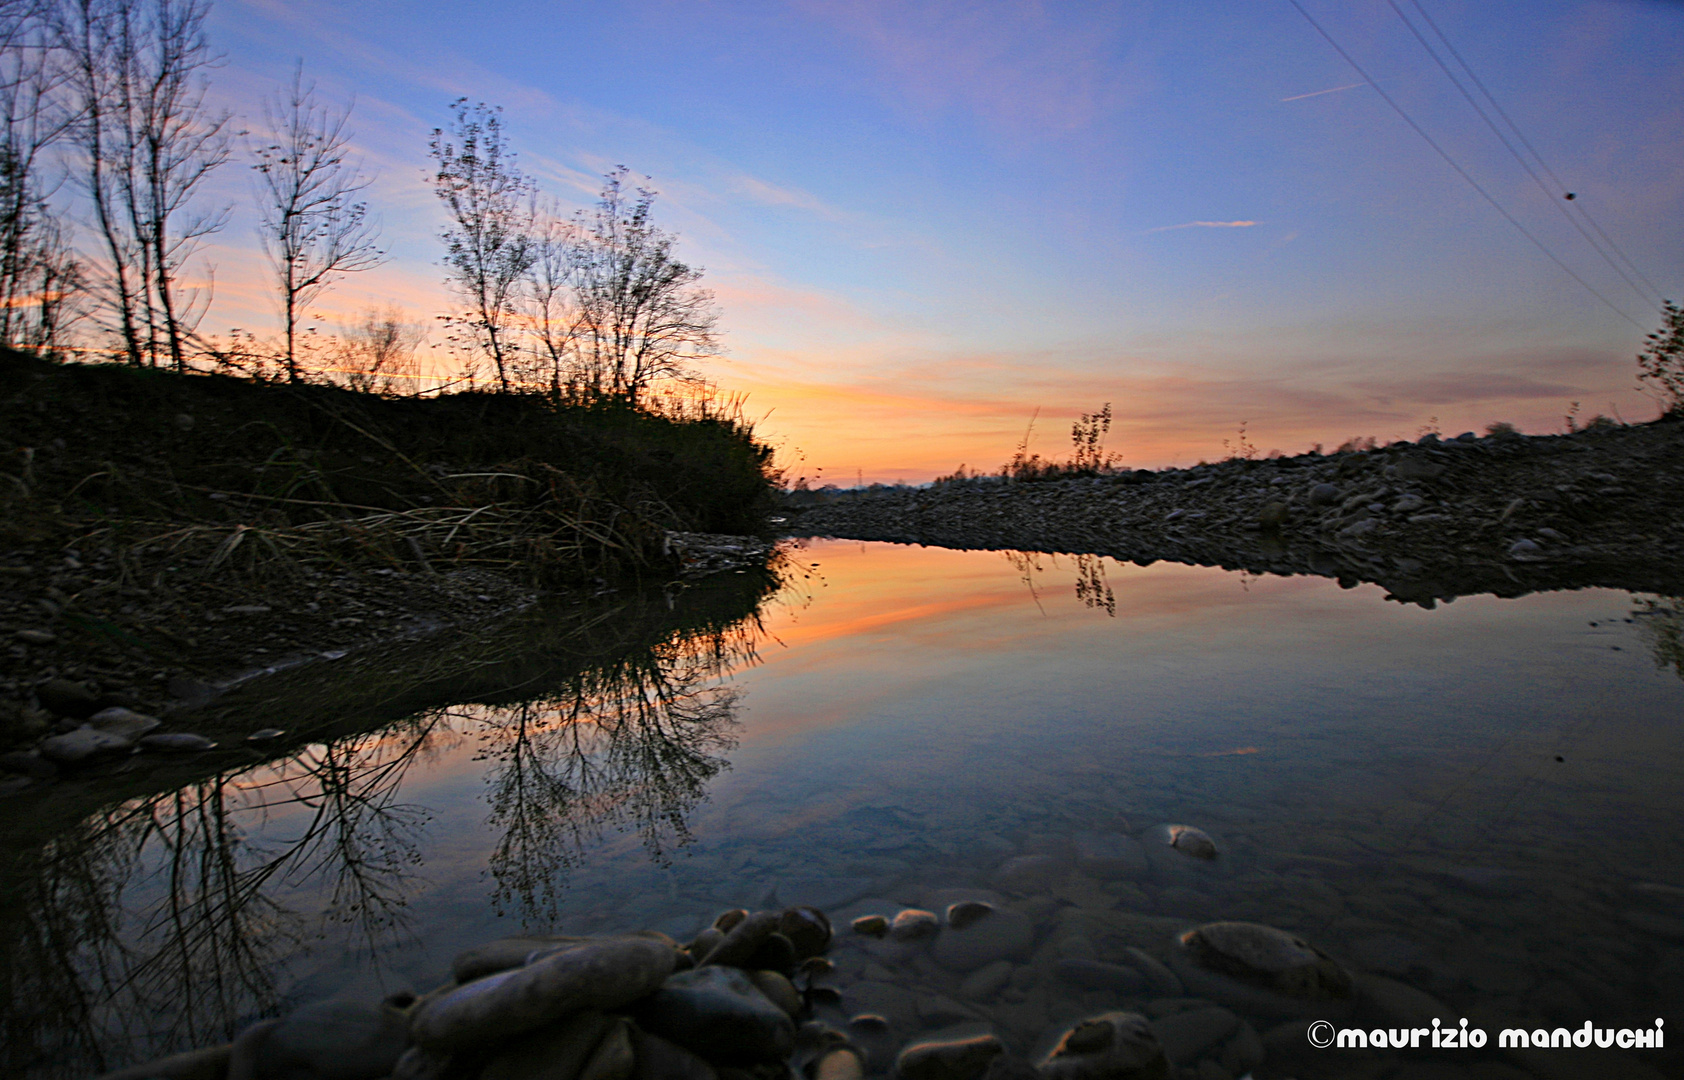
(1428, 521)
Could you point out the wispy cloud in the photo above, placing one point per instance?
(1319, 93)
(1205, 225)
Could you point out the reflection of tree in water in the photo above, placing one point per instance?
(1661, 622)
(161, 924)
(150, 927)
(628, 745)
(1091, 587)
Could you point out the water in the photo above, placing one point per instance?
(1478, 802)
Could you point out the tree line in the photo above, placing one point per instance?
(108, 138)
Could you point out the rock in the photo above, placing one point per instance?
(1324, 494)
(807, 928)
(1273, 515)
(914, 924)
(842, 1063)
(176, 742)
(1256, 968)
(62, 697)
(1184, 839)
(728, 920)
(605, 974)
(28, 763)
(775, 953)
(1011, 1067)
(871, 925)
(1408, 504)
(613, 1058)
(874, 1035)
(557, 1051)
(960, 1059)
(744, 939)
(778, 990)
(1029, 873)
(1387, 1003)
(419, 1064)
(719, 1013)
(706, 941)
(1360, 528)
(1186, 1036)
(1415, 467)
(265, 735)
(124, 723)
(36, 637)
(1112, 1046)
(336, 1040)
(81, 745)
(1159, 979)
(1524, 550)
(1000, 935)
(503, 954)
(1098, 975)
(1108, 856)
(1552, 535)
(966, 912)
(986, 981)
(823, 893)
(660, 1059)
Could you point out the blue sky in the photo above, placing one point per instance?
(923, 222)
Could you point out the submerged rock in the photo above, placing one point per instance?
(966, 912)
(744, 939)
(1256, 968)
(176, 742)
(1112, 1046)
(336, 1040)
(604, 974)
(719, 1013)
(1192, 842)
(914, 924)
(960, 1059)
(999, 934)
(83, 744)
(1109, 855)
(1098, 975)
(124, 723)
(807, 928)
(871, 925)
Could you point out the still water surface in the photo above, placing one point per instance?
(1479, 801)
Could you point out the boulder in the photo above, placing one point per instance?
(82, 745)
(1111, 1046)
(959, 1059)
(1259, 969)
(556, 1051)
(124, 723)
(335, 1040)
(719, 1013)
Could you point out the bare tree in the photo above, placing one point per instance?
(312, 228)
(558, 254)
(645, 317)
(39, 275)
(377, 353)
(147, 143)
(488, 243)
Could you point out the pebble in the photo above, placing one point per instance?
(605, 974)
(1256, 968)
(778, 990)
(36, 637)
(966, 912)
(743, 939)
(1112, 1046)
(263, 735)
(843, 1063)
(1107, 856)
(871, 925)
(914, 924)
(986, 981)
(873, 1034)
(1159, 979)
(719, 1013)
(503, 954)
(1524, 549)
(959, 1059)
(808, 930)
(1324, 494)
(28, 763)
(82, 744)
(1185, 839)
(1029, 873)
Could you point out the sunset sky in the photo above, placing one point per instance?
(925, 222)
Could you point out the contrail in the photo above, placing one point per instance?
(1205, 225)
(1319, 93)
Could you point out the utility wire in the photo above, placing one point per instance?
(1654, 295)
(1475, 184)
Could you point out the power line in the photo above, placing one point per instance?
(1559, 204)
(1465, 175)
(1654, 295)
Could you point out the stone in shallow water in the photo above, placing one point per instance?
(336, 1040)
(966, 912)
(556, 1052)
(744, 939)
(1030, 873)
(1256, 968)
(1192, 842)
(1098, 975)
(503, 954)
(778, 990)
(914, 924)
(807, 928)
(1002, 934)
(1107, 856)
(719, 1013)
(871, 925)
(960, 1059)
(1185, 1036)
(1112, 1046)
(605, 974)
(843, 1063)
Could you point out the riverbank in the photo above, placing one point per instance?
(1429, 521)
(162, 536)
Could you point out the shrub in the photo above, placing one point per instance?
(1662, 363)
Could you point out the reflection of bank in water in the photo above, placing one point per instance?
(161, 921)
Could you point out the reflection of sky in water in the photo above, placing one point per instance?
(915, 714)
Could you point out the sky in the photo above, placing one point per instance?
(932, 229)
